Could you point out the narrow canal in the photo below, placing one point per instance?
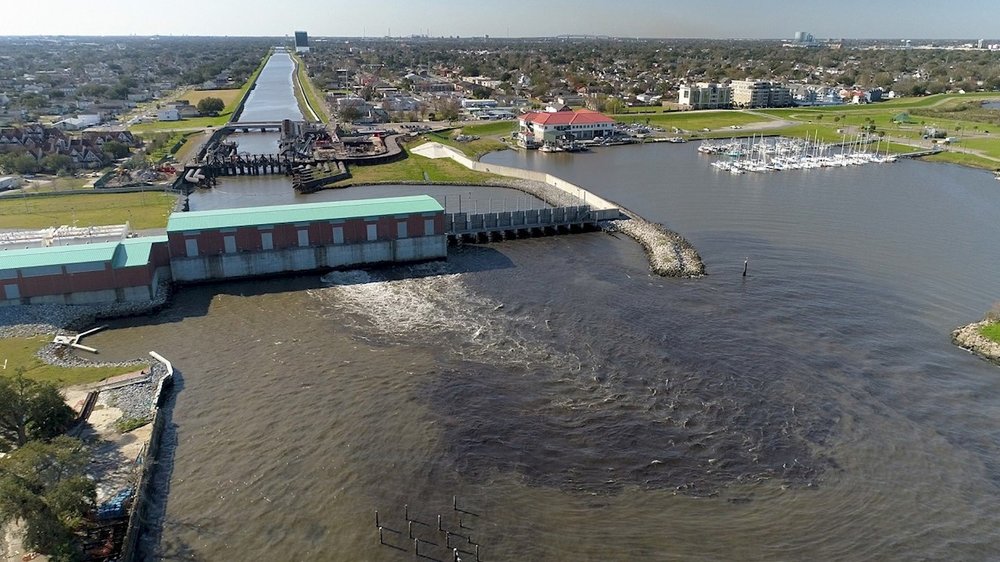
(584, 410)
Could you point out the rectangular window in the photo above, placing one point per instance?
(338, 235)
(12, 291)
(372, 232)
(230, 244)
(428, 227)
(303, 238)
(191, 247)
(401, 229)
(267, 240)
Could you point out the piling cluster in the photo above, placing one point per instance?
(428, 540)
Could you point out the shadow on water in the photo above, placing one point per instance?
(151, 533)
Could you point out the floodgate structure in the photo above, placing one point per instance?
(226, 244)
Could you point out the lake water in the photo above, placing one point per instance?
(586, 410)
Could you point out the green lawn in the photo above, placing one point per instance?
(472, 149)
(991, 331)
(417, 169)
(305, 86)
(20, 353)
(56, 184)
(964, 159)
(142, 210)
(989, 146)
(490, 128)
(694, 120)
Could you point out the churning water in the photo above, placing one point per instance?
(585, 410)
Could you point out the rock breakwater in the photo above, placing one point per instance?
(968, 337)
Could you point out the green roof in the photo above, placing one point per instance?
(134, 252)
(302, 212)
(127, 253)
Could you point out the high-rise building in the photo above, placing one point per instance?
(705, 95)
(301, 42)
(804, 38)
(759, 93)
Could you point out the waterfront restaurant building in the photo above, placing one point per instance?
(537, 128)
(235, 243)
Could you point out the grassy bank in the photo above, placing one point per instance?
(415, 169)
(695, 120)
(142, 210)
(472, 149)
(991, 331)
(21, 353)
(306, 91)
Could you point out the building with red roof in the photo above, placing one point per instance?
(537, 128)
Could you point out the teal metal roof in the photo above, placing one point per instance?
(57, 255)
(134, 252)
(127, 253)
(303, 212)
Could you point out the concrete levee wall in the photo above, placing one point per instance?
(598, 203)
(250, 264)
(141, 293)
(140, 506)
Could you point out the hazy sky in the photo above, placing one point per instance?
(958, 19)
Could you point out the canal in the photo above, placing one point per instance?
(585, 410)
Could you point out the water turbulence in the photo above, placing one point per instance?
(517, 393)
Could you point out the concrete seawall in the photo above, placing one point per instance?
(670, 255)
(144, 489)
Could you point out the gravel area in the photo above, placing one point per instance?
(52, 319)
(136, 400)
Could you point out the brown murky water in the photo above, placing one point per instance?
(584, 410)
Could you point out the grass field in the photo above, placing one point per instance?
(141, 210)
(991, 331)
(229, 97)
(20, 353)
(306, 87)
(417, 169)
(490, 128)
(694, 120)
(57, 184)
(472, 149)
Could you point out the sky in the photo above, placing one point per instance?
(750, 19)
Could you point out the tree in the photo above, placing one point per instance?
(30, 409)
(45, 486)
(210, 105)
(117, 150)
(54, 163)
(349, 113)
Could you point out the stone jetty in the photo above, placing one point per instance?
(969, 338)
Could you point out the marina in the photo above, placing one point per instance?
(775, 154)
